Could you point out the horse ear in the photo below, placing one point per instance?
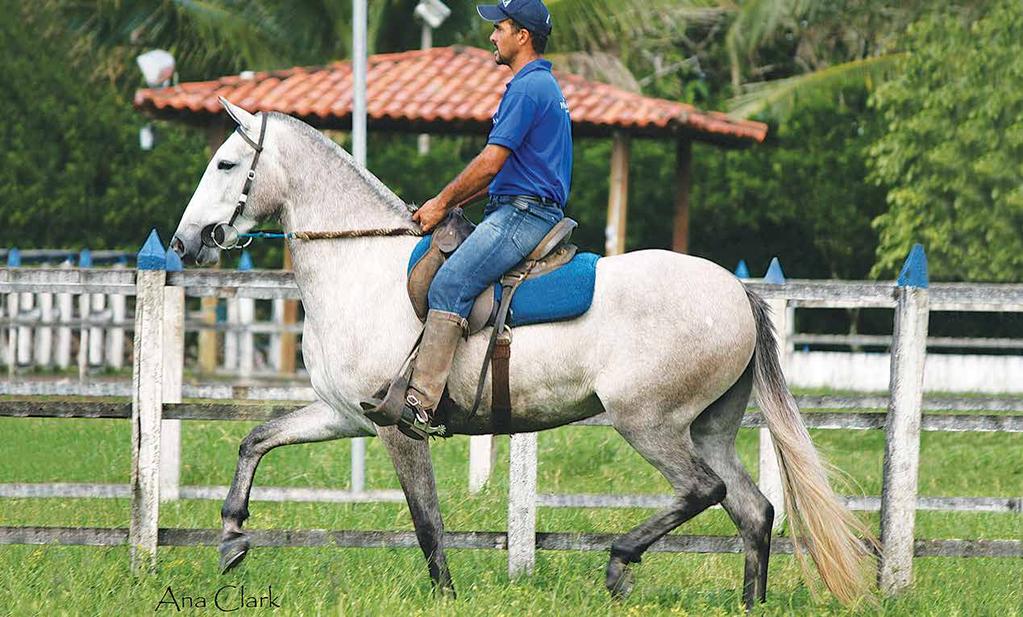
(241, 117)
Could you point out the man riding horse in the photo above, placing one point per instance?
(526, 167)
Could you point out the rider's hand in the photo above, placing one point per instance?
(430, 214)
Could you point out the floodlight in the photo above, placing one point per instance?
(433, 12)
(157, 67)
(146, 137)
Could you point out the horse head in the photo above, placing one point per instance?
(242, 185)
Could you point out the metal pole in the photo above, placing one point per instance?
(359, 152)
(426, 43)
(359, 78)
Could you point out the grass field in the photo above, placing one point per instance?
(37, 580)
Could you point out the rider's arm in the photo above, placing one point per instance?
(466, 187)
(476, 177)
(471, 200)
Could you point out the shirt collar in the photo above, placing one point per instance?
(536, 65)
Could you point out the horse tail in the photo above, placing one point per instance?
(820, 524)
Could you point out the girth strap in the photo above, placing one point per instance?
(500, 407)
(501, 395)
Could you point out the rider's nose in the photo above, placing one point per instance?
(177, 246)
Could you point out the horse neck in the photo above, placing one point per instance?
(344, 276)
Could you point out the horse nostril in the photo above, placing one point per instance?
(178, 246)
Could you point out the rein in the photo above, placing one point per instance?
(331, 235)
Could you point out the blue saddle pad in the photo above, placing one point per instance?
(564, 293)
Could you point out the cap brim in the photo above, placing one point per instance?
(491, 12)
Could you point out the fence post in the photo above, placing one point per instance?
(902, 429)
(173, 374)
(25, 304)
(480, 461)
(44, 333)
(97, 306)
(231, 335)
(769, 480)
(522, 504)
(146, 407)
(246, 315)
(65, 313)
(13, 261)
(274, 354)
(84, 311)
(115, 335)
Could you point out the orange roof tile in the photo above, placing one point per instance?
(445, 89)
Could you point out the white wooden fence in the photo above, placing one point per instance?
(95, 325)
(242, 338)
(156, 394)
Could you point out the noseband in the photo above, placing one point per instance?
(225, 235)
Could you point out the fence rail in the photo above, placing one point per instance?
(98, 536)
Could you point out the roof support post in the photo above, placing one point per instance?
(618, 196)
(683, 184)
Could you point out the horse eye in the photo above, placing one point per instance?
(225, 165)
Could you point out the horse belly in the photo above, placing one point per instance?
(677, 330)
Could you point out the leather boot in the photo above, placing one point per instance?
(430, 371)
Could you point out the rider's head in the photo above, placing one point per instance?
(520, 27)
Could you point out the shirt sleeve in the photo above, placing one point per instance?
(513, 121)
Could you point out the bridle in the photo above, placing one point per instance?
(225, 236)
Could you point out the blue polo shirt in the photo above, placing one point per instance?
(533, 122)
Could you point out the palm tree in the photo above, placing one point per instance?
(834, 45)
(214, 37)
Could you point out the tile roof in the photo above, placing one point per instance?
(444, 89)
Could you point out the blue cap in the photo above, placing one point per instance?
(532, 14)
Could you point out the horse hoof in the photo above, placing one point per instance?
(445, 592)
(232, 551)
(619, 578)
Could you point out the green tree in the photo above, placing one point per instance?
(952, 155)
(72, 174)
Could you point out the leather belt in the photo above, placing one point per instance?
(507, 199)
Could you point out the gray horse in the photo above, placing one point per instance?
(670, 350)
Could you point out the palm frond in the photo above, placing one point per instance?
(755, 22)
(777, 98)
(597, 66)
(595, 25)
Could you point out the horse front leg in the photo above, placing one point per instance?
(415, 473)
(315, 422)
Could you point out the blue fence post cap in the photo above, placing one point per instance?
(245, 262)
(13, 258)
(152, 256)
(774, 274)
(914, 271)
(173, 262)
(85, 259)
(741, 270)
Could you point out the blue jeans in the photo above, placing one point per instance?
(510, 230)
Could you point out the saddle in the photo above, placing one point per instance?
(551, 253)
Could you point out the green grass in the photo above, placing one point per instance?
(96, 580)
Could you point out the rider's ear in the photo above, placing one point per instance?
(241, 117)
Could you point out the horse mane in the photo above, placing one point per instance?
(329, 147)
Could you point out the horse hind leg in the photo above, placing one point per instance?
(713, 433)
(315, 422)
(696, 486)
